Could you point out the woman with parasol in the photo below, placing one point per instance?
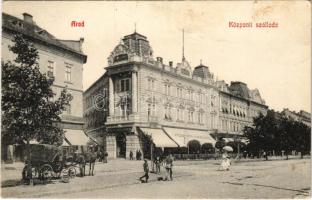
(225, 162)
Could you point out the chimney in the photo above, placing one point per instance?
(159, 59)
(170, 63)
(28, 18)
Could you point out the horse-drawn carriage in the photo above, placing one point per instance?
(48, 162)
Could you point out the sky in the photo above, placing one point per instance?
(277, 61)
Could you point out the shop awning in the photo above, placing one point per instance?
(65, 143)
(97, 140)
(245, 141)
(76, 137)
(228, 140)
(159, 137)
(183, 136)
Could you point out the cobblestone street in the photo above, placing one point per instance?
(192, 179)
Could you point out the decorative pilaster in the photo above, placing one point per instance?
(111, 146)
(134, 91)
(111, 97)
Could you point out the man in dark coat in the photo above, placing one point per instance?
(146, 171)
(139, 155)
(105, 157)
(131, 155)
(82, 165)
(168, 165)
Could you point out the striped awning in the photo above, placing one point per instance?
(228, 140)
(183, 136)
(76, 137)
(159, 137)
(65, 143)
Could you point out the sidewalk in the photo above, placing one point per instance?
(11, 174)
(113, 174)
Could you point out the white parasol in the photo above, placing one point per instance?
(228, 148)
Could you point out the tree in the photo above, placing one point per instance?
(278, 133)
(302, 138)
(207, 148)
(220, 144)
(194, 146)
(261, 134)
(27, 109)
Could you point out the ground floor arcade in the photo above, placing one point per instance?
(120, 141)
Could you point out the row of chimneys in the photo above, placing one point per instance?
(160, 59)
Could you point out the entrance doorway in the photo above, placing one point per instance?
(121, 145)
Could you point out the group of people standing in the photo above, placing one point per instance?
(163, 168)
(138, 155)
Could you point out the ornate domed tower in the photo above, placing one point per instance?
(130, 46)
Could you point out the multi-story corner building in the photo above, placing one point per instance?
(148, 99)
(301, 116)
(170, 103)
(95, 105)
(238, 106)
(61, 60)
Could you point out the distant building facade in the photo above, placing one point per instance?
(61, 60)
(301, 116)
(171, 104)
(238, 106)
(95, 104)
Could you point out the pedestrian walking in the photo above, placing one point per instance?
(101, 156)
(225, 162)
(139, 155)
(131, 155)
(146, 171)
(105, 157)
(168, 166)
(82, 165)
(157, 163)
(265, 155)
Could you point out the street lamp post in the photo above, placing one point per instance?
(152, 154)
(238, 147)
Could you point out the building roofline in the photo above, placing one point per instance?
(61, 46)
(163, 71)
(248, 100)
(105, 74)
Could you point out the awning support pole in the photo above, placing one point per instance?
(152, 157)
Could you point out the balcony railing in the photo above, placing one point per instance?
(131, 118)
(119, 119)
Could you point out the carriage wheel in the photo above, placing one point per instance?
(71, 172)
(57, 171)
(46, 172)
(34, 173)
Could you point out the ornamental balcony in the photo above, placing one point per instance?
(131, 118)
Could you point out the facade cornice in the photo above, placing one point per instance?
(140, 64)
(73, 89)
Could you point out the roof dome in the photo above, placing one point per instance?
(202, 71)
